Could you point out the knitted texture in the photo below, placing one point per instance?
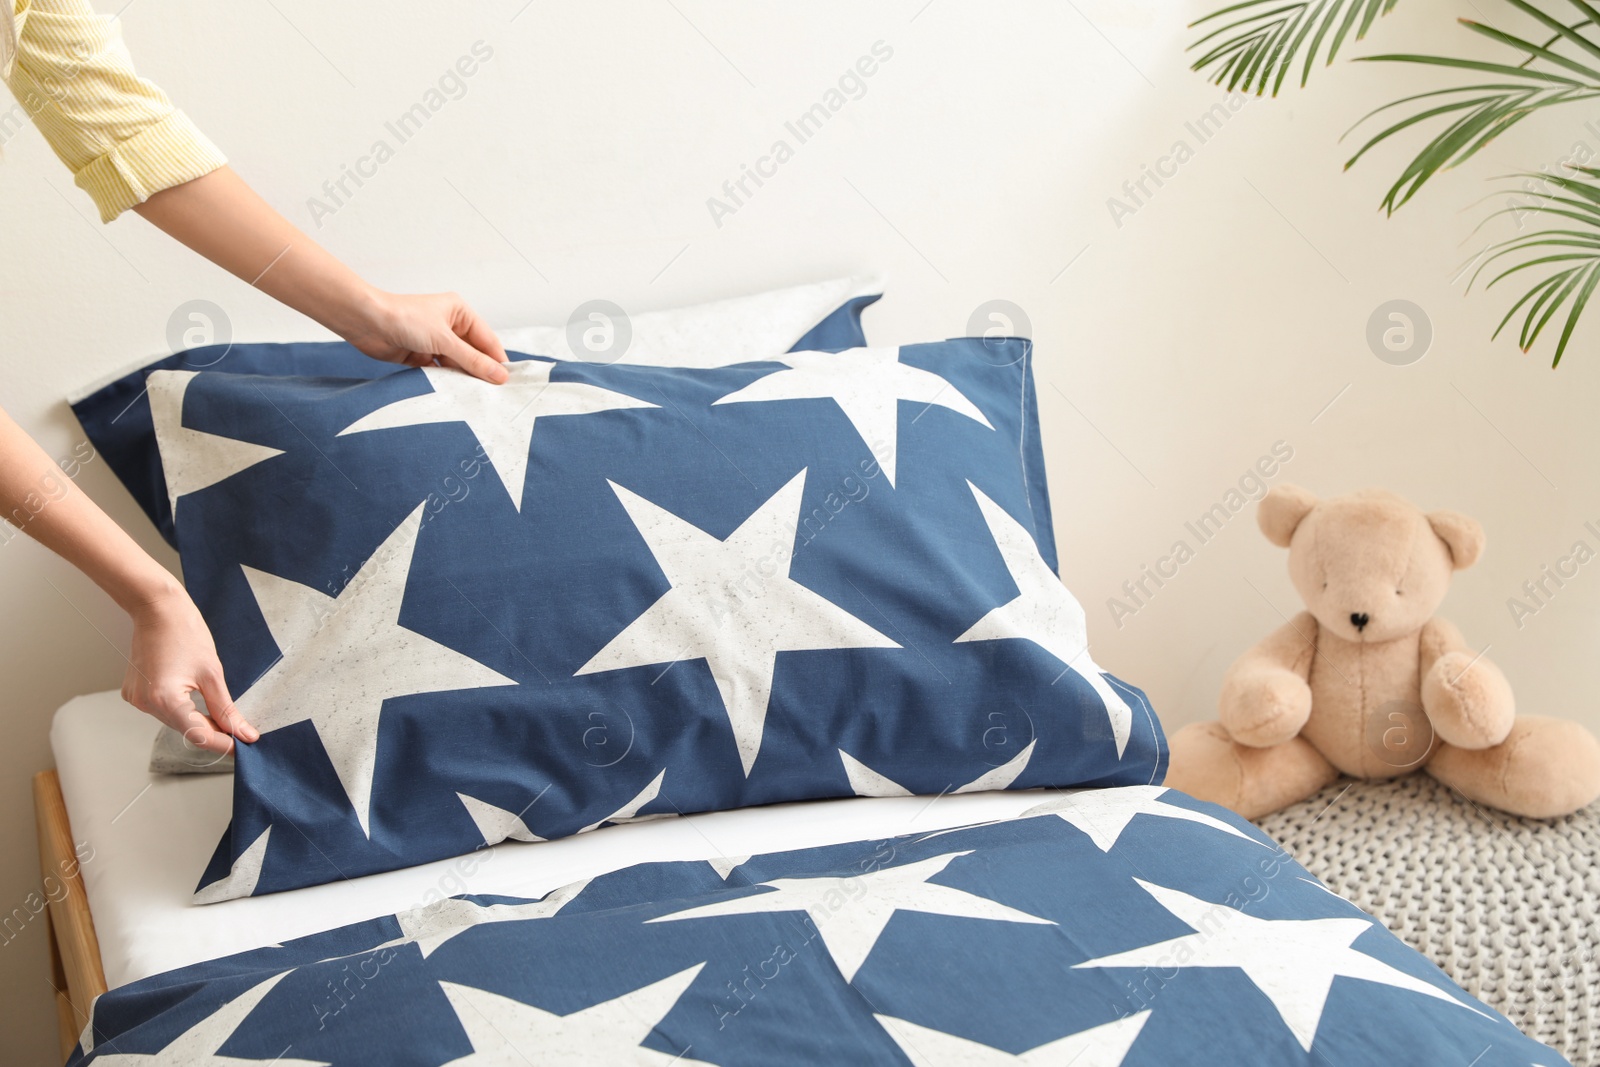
(1505, 906)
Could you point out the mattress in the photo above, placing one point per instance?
(147, 838)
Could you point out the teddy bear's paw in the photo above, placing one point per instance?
(1209, 765)
(1468, 701)
(1266, 707)
(1545, 769)
(1204, 765)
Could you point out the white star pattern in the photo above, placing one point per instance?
(1104, 813)
(193, 459)
(866, 782)
(732, 604)
(1106, 1045)
(242, 877)
(1043, 612)
(359, 657)
(724, 865)
(851, 913)
(198, 1045)
(868, 385)
(509, 1033)
(433, 925)
(1292, 961)
(497, 824)
(502, 417)
(629, 812)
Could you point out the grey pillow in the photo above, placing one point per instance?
(171, 754)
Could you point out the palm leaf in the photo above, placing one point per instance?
(1254, 44)
(1536, 76)
(1574, 197)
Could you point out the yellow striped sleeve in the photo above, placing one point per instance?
(119, 134)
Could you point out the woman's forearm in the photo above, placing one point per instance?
(172, 656)
(223, 219)
(42, 501)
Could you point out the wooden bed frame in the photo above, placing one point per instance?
(75, 968)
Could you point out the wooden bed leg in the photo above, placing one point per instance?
(66, 1020)
(77, 973)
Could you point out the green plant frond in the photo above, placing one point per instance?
(1578, 187)
(1222, 12)
(1585, 218)
(1458, 142)
(1534, 51)
(1566, 207)
(1562, 30)
(1261, 20)
(1253, 45)
(1571, 257)
(1556, 37)
(1487, 117)
(1546, 292)
(1261, 41)
(1570, 252)
(1557, 297)
(1536, 78)
(1479, 65)
(1536, 241)
(1582, 206)
(1529, 295)
(1579, 302)
(1485, 88)
(1475, 104)
(1513, 115)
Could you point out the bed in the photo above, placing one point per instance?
(735, 714)
(125, 920)
(127, 912)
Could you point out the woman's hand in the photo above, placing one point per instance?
(173, 657)
(420, 331)
(222, 218)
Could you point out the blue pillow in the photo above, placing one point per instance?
(1133, 927)
(461, 613)
(117, 419)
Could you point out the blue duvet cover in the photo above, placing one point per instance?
(1128, 925)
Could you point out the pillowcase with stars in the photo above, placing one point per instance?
(120, 422)
(462, 613)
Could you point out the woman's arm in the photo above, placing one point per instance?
(222, 218)
(128, 147)
(173, 655)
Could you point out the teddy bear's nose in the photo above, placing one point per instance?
(1359, 620)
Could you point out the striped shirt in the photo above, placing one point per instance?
(118, 134)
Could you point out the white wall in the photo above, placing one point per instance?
(1219, 318)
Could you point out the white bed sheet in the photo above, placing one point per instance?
(152, 835)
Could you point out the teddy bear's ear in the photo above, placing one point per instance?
(1463, 536)
(1281, 511)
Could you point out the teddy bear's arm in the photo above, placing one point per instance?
(1266, 698)
(1467, 698)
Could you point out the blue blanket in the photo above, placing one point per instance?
(1112, 926)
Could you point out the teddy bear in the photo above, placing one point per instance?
(1367, 682)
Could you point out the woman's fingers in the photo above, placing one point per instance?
(421, 331)
(464, 357)
(174, 706)
(224, 712)
(476, 333)
(172, 659)
(201, 733)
